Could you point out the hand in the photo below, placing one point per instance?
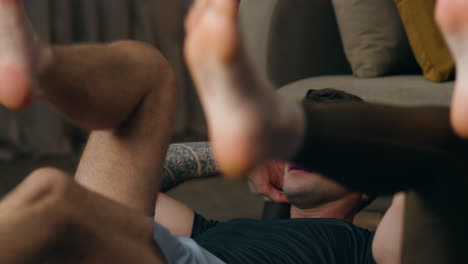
(268, 180)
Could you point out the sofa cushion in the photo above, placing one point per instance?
(407, 90)
(373, 37)
(428, 45)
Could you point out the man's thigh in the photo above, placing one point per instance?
(386, 247)
(429, 234)
(413, 231)
(108, 232)
(112, 233)
(49, 210)
(29, 218)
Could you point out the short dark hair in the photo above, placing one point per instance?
(329, 96)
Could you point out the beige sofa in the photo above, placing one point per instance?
(296, 45)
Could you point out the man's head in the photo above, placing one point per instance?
(306, 189)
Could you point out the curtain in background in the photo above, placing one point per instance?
(69, 21)
(40, 130)
(170, 18)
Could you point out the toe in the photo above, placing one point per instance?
(444, 15)
(15, 89)
(459, 121)
(228, 8)
(451, 15)
(195, 14)
(459, 111)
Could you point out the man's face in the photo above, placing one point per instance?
(307, 190)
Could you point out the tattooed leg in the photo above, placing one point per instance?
(187, 161)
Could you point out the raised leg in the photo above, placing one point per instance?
(238, 106)
(126, 90)
(124, 163)
(97, 86)
(453, 22)
(388, 240)
(51, 218)
(100, 86)
(24, 239)
(22, 56)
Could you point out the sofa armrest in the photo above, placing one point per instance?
(289, 40)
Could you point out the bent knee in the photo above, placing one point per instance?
(47, 184)
(144, 54)
(459, 120)
(140, 52)
(388, 240)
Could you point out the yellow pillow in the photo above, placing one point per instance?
(425, 39)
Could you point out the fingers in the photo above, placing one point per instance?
(268, 181)
(279, 197)
(272, 193)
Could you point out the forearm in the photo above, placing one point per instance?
(174, 215)
(187, 161)
(381, 149)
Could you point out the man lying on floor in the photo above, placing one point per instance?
(320, 229)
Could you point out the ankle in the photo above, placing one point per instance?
(288, 130)
(45, 62)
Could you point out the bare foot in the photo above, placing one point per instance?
(21, 58)
(453, 22)
(248, 123)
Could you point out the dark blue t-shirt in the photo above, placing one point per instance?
(285, 241)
